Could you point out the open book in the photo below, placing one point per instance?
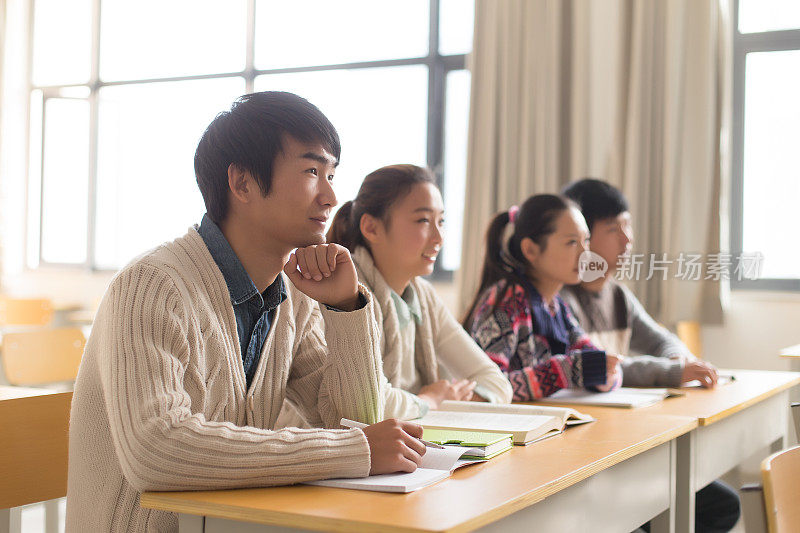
(437, 464)
(524, 428)
(570, 417)
(622, 397)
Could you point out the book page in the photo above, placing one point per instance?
(499, 422)
(622, 397)
(442, 459)
(564, 413)
(401, 482)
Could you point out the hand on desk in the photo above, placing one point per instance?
(394, 446)
(613, 373)
(703, 372)
(442, 390)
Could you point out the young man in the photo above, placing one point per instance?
(611, 314)
(198, 342)
(615, 320)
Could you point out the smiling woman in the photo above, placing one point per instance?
(394, 230)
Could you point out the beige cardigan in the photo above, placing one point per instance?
(160, 400)
(442, 347)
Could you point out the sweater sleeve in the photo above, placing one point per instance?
(337, 369)
(161, 440)
(650, 338)
(506, 334)
(464, 358)
(650, 371)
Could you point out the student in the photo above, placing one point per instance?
(610, 313)
(198, 342)
(615, 319)
(394, 231)
(517, 315)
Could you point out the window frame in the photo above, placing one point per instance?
(743, 44)
(438, 67)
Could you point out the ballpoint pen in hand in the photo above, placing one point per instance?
(346, 422)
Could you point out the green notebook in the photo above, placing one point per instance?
(481, 444)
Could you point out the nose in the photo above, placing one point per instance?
(627, 236)
(438, 234)
(327, 196)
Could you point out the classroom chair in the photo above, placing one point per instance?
(689, 333)
(772, 506)
(25, 311)
(33, 457)
(42, 357)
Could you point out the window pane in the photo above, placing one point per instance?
(146, 188)
(456, 19)
(768, 15)
(34, 180)
(143, 40)
(62, 41)
(772, 161)
(380, 114)
(321, 32)
(456, 123)
(65, 182)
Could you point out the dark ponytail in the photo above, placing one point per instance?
(339, 232)
(379, 191)
(536, 220)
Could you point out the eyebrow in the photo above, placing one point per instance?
(320, 159)
(427, 210)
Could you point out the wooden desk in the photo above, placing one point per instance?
(735, 421)
(611, 475)
(33, 450)
(791, 351)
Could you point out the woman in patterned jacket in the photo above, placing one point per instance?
(517, 316)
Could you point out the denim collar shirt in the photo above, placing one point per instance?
(254, 311)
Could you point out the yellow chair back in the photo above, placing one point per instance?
(689, 333)
(780, 474)
(33, 449)
(25, 311)
(44, 356)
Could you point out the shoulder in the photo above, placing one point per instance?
(510, 298)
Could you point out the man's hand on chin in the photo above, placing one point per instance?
(326, 273)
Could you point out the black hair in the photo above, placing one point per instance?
(380, 190)
(536, 220)
(596, 199)
(250, 135)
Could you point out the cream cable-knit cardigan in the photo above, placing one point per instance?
(160, 400)
(439, 341)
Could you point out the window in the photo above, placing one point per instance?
(119, 99)
(766, 122)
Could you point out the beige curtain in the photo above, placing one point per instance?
(634, 92)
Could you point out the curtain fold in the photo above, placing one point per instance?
(631, 91)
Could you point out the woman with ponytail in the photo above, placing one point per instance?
(517, 316)
(393, 230)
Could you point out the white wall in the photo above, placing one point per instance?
(757, 325)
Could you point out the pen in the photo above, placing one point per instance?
(346, 422)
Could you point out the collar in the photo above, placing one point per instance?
(240, 285)
(407, 306)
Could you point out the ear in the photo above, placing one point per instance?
(530, 250)
(371, 228)
(239, 183)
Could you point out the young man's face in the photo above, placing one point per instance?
(296, 210)
(612, 238)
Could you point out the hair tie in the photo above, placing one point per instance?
(513, 211)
